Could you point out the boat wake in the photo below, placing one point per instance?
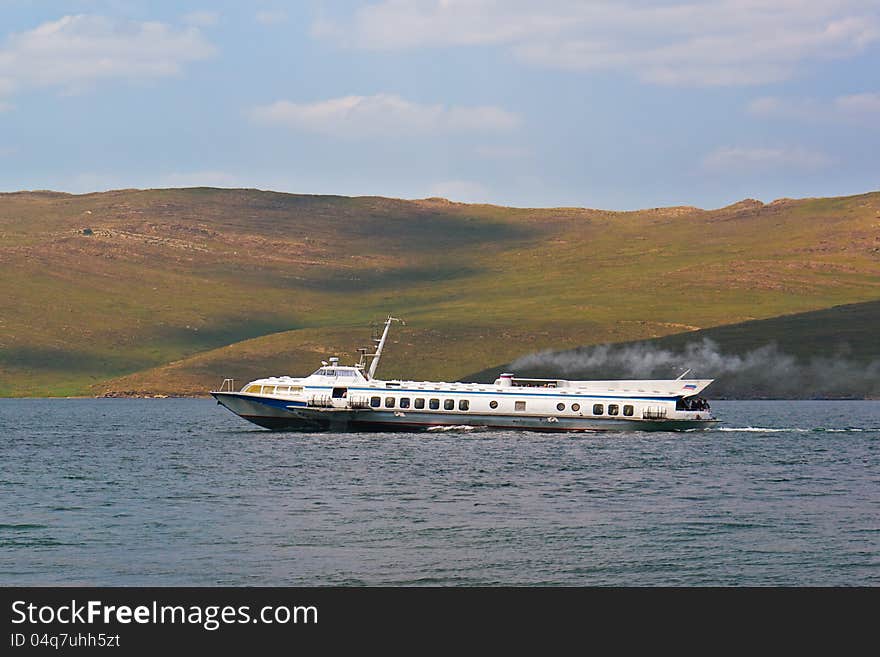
(456, 427)
(795, 429)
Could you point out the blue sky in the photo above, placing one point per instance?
(617, 105)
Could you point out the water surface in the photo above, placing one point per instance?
(181, 492)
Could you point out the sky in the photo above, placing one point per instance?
(602, 104)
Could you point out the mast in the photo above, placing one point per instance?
(381, 345)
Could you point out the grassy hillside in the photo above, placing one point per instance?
(172, 290)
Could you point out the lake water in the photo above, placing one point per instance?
(182, 492)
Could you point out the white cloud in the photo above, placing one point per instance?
(268, 17)
(202, 18)
(863, 108)
(464, 191)
(75, 52)
(738, 159)
(681, 42)
(383, 114)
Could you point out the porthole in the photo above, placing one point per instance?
(493, 404)
(463, 404)
(389, 402)
(434, 404)
(613, 409)
(560, 406)
(448, 404)
(420, 402)
(628, 410)
(598, 409)
(375, 402)
(575, 407)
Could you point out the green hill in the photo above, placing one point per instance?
(168, 291)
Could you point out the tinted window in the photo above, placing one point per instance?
(404, 402)
(434, 404)
(463, 404)
(420, 402)
(628, 410)
(519, 406)
(448, 404)
(389, 402)
(613, 409)
(598, 409)
(375, 402)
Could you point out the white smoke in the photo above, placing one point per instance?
(762, 372)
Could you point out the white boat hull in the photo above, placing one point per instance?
(286, 415)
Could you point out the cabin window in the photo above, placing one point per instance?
(519, 406)
(375, 402)
(463, 404)
(493, 404)
(389, 402)
(449, 404)
(613, 409)
(628, 410)
(253, 389)
(434, 404)
(575, 407)
(598, 409)
(420, 402)
(560, 406)
(404, 402)
(268, 390)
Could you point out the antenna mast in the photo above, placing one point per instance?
(381, 345)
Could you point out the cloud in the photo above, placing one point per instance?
(671, 42)
(854, 108)
(383, 114)
(464, 191)
(75, 52)
(202, 18)
(761, 160)
(266, 17)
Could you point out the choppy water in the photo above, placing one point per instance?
(181, 492)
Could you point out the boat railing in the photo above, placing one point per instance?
(228, 385)
(654, 413)
(321, 401)
(358, 402)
